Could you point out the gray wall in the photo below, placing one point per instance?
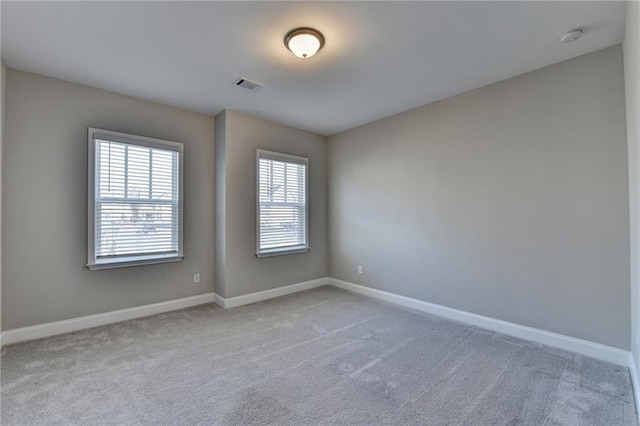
(509, 201)
(3, 87)
(45, 202)
(243, 272)
(632, 91)
(220, 220)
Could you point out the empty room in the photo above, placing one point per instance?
(320, 213)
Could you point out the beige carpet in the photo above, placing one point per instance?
(324, 356)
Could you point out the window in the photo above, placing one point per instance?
(135, 200)
(282, 212)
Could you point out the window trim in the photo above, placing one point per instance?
(271, 155)
(130, 260)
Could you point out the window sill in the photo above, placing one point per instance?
(127, 262)
(282, 252)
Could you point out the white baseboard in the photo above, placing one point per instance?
(67, 326)
(583, 347)
(635, 381)
(560, 341)
(74, 324)
(233, 302)
(218, 300)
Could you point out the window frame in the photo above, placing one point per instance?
(131, 260)
(278, 156)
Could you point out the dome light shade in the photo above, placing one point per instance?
(304, 42)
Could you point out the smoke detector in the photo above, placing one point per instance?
(571, 35)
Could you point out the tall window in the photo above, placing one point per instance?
(135, 200)
(282, 222)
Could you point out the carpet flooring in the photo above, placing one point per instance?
(321, 357)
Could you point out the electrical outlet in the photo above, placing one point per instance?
(359, 269)
(196, 278)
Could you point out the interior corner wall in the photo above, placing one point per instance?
(632, 97)
(245, 273)
(3, 87)
(44, 220)
(221, 203)
(509, 201)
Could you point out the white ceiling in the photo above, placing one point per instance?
(380, 58)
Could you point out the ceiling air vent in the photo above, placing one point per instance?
(248, 84)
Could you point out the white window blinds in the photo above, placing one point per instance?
(136, 199)
(282, 204)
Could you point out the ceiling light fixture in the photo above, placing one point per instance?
(571, 35)
(304, 42)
